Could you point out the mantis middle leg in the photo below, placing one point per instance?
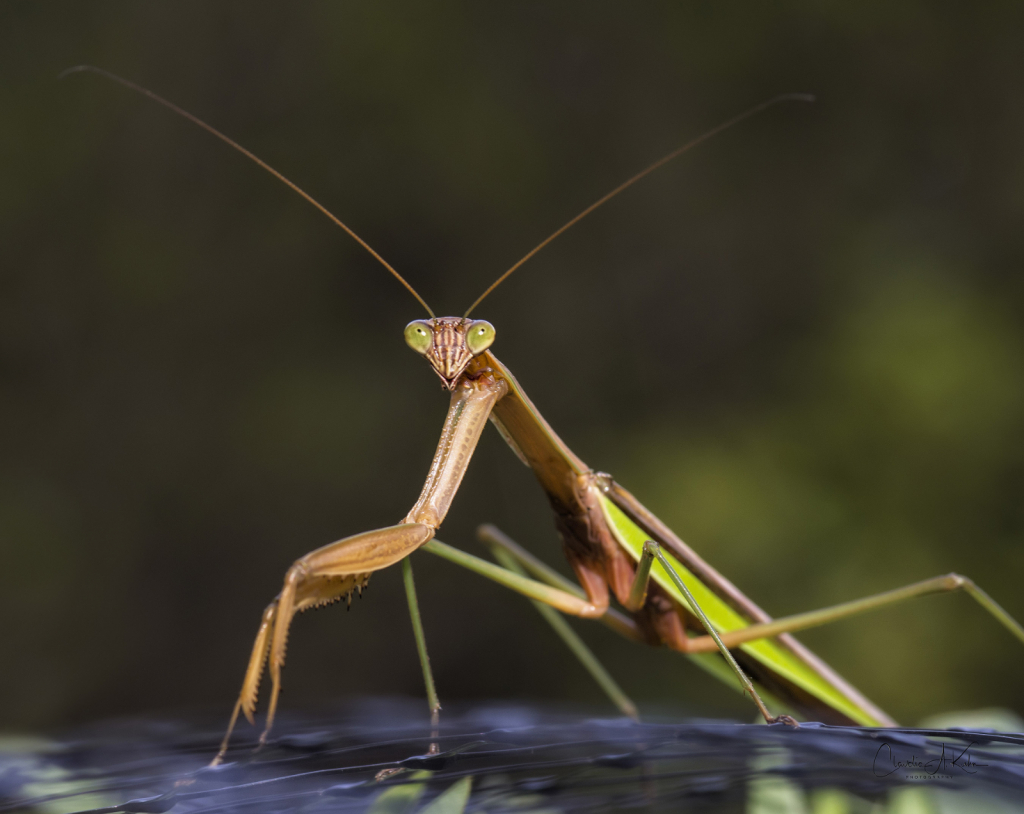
(566, 598)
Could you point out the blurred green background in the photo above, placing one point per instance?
(802, 345)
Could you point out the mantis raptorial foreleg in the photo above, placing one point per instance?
(336, 570)
(319, 578)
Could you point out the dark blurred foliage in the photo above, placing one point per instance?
(802, 345)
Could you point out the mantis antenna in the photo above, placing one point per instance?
(785, 97)
(294, 187)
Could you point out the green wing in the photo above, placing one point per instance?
(769, 652)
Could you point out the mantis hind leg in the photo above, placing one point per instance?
(319, 578)
(803, 621)
(680, 641)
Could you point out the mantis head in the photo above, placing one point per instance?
(449, 343)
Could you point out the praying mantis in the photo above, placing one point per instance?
(617, 548)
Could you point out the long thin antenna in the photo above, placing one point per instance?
(785, 97)
(195, 120)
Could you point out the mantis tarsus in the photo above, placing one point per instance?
(615, 546)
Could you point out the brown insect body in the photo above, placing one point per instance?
(604, 569)
(582, 500)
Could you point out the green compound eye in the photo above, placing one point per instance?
(479, 336)
(419, 336)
